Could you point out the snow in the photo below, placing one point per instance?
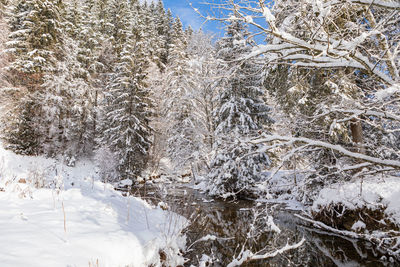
(272, 225)
(331, 51)
(376, 193)
(54, 215)
(357, 226)
(382, 94)
(208, 238)
(338, 148)
(268, 15)
(382, 3)
(205, 261)
(126, 182)
(248, 255)
(228, 195)
(249, 19)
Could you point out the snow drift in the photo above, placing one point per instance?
(54, 215)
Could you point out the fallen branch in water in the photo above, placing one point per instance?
(321, 225)
(247, 255)
(377, 238)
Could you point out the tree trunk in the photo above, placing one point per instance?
(357, 135)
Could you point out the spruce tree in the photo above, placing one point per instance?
(242, 112)
(166, 31)
(35, 34)
(145, 27)
(34, 45)
(127, 106)
(94, 55)
(66, 116)
(163, 24)
(21, 131)
(179, 106)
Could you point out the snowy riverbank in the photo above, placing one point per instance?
(54, 215)
(373, 193)
(366, 209)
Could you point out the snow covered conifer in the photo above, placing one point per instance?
(66, 110)
(184, 137)
(150, 33)
(34, 38)
(242, 112)
(165, 31)
(163, 22)
(20, 133)
(128, 107)
(127, 114)
(242, 107)
(35, 32)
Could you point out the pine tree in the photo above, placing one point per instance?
(66, 107)
(96, 58)
(34, 39)
(242, 108)
(164, 28)
(21, 131)
(145, 26)
(241, 114)
(72, 16)
(4, 32)
(178, 43)
(102, 13)
(184, 139)
(35, 33)
(163, 23)
(150, 32)
(90, 40)
(127, 107)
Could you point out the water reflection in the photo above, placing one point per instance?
(232, 223)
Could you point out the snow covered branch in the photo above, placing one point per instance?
(338, 148)
(355, 113)
(320, 41)
(390, 4)
(248, 255)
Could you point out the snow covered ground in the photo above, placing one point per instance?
(54, 215)
(376, 193)
(368, 209)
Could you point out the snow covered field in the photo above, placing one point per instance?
(54, 215)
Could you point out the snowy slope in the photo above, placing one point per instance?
(101, 226)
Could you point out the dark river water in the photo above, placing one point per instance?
(232, 222)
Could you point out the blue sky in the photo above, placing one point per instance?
(188, 16)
